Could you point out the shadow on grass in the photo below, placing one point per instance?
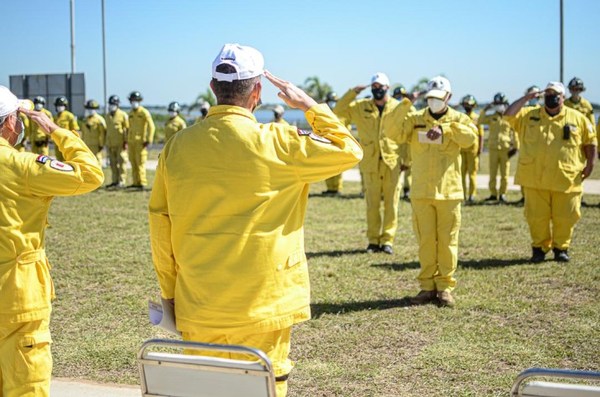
(336, 253)
(398, 267)
(350, 196)
(492, 263)
(319, 309)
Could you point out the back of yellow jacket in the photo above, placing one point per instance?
(227, 213)
(28, 183)
(370, 125)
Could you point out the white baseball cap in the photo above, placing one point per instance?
(9, 103)
(279, 109)
(247, 61)
(438, 87)
(380, 78)
(556, 86)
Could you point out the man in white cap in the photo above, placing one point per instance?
(227, 212)
(558, 149)
(278, 112)
(436, 135)
(379, 166)
(28, 182)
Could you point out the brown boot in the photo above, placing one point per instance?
(445, 298)
(423, 297)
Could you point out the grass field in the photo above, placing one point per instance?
(364, 339)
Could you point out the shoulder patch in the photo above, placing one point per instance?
(60, 166)
(313, 136)
(42, 159)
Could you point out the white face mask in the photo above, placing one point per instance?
(135, 104)
(89, 112)
(112, 108)
(500, 108)
(436, 105)
(22, 133)
(60, 109)
(38, 106)
(172, 114)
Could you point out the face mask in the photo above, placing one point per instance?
(500, 108)
(533, 102)
(378, 93)
(135, 104)
(204, 112)
(60, 109)
(172, 114)
(22, 133)
(551, 101)
(436, 105)
(112, 108)
(38, 106)
(89, 112)
(331, 104)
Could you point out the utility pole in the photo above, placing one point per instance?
(104, 56)
(72, 36)
(562, 42)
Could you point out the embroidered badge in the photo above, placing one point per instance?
(42, 159)
(57, 165)
(313, 136)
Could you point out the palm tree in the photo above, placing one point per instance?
(206, 96)
(316, 89)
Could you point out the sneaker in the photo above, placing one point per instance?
(503, 199)
(387, 249)
(372, 248)
(538, 255)
(492, 198)
(561, 255)
(423, 297)
(445, 298)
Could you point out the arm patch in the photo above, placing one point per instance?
(313, 136)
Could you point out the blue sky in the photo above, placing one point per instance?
(164, 48)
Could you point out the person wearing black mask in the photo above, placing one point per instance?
(379, 165)
(558, 148)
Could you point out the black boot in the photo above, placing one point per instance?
(561, 255)
(538, 255)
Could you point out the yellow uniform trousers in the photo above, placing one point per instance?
(25, 359)
(118, 158)
(551, 217)
(436, 224)
(97, 152)
(275, 344)
(335, 183)
(469, 168)
(378, 185)
(499, 162)
(137, 158)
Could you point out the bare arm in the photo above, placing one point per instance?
(514, 107)
(590, 155)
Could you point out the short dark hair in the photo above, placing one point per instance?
(235, 92)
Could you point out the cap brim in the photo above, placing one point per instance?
(439, 94)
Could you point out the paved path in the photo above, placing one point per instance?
(76, 388)
(591, 186)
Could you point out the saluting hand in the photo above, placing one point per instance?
(41, 119)
(293, 96)
(359, 88)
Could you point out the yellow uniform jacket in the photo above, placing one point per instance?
(173, 125)
(141, 126)
(66, 120)
(584, 106)
(35, 132)
(552, 155)
(501, 135)
(117, 125)
(475, 148)
(370, 125)
(227, 213)
(93, 131)
(28, 183)
(435, 167)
